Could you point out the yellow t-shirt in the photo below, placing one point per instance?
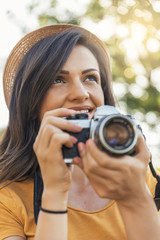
(17, 216)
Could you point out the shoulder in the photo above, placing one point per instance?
(16, 189)
(17, 197)
(16, 209)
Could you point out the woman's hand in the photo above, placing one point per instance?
(48, 149)
(119, 178)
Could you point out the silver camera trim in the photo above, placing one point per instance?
(107, 146)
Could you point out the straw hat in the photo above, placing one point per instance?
(26, 43)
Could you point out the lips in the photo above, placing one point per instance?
(82, 108)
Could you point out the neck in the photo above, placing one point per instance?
(79, 179)
(81, 193)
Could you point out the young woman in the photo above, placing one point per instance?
(52, 73)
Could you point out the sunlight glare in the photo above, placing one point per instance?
(151, 118)
(142, 81)
(136, 90)
(105, 3)
(138, 13)
(158, 34)
(71, 5)
(146, 15)
(153, 45)
(138, 68)
(138, 32)
(128, 72)
(130, 2)
(129, 47)
(122, 31)
(139, 116)
(103, 29)
(156, 6)
(155, 77)
(122, 10)
(119, 89)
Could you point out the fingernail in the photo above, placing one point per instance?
(81, 147)
(78, 126)
(74, 140)
(76, 160)
(89, 142)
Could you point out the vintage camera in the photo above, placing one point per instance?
(112, 132)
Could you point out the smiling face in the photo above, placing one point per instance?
(78, 85)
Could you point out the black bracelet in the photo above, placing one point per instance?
(53, 212)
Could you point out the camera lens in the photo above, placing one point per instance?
(116, 134)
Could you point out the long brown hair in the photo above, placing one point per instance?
(36, 72)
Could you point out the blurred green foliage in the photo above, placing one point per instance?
(134, 46)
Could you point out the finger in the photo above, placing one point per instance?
(123, 163)
(62, 123)
(103, 180)
(82, 152)
(141, 144)
(48, 132)
(78, 161)
(82, 149)
(103, 158)
(84, 161)
(60, 112)
(44, 136)
(142, 151)
(91, 165)
(60, 139)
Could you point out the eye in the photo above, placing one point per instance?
(59, 79)
(91, 78)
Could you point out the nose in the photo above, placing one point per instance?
(78, 92)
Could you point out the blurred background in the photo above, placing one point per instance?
(131, 31)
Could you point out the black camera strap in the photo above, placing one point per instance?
(38, 188)
(157, 189)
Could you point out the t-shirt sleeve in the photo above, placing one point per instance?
(10, 222)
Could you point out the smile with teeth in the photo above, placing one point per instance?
(82, 111)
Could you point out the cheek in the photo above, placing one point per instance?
(49, 103)
(98, 96)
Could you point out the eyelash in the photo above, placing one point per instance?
(58, 78)
(91, 76)
(95, 79)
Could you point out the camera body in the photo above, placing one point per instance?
(113, 132)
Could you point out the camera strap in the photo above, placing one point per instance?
(38, 188)
(157, 188)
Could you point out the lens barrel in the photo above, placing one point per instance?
(116, 134)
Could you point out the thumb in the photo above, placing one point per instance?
(142, 151)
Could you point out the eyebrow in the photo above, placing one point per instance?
(83, 72)
(90, 70)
